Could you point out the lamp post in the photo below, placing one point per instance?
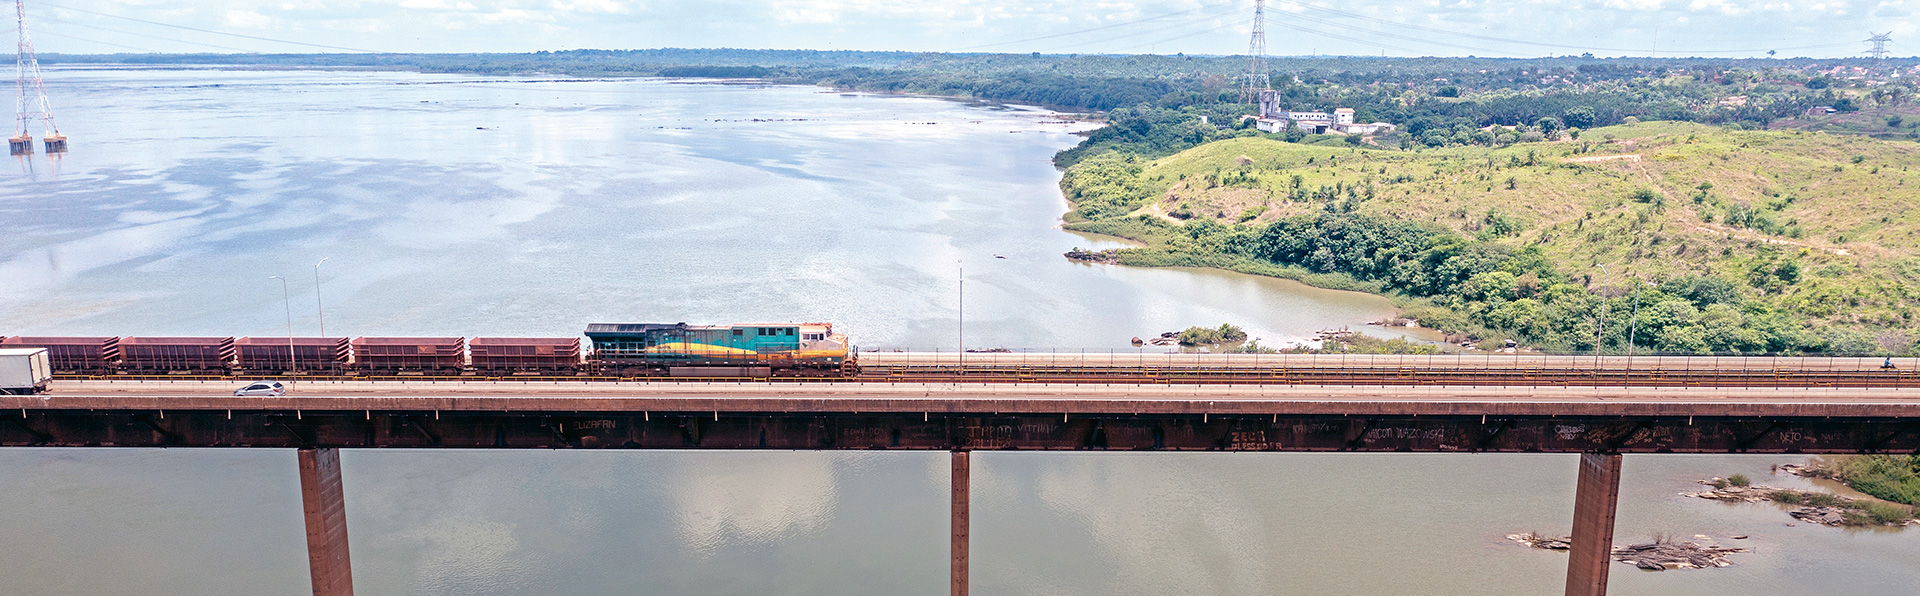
(293, 360)
(1634, 325)
(319, 307)
(1600, 329)
(963, 314)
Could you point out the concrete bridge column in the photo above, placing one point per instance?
(1596, 499)
(326, 512)
(961, 522)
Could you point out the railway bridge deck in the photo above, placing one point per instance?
(1602, 423)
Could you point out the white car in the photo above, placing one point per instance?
(261, 388)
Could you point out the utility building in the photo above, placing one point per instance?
(1274, 119)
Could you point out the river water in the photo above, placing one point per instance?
(453, 205)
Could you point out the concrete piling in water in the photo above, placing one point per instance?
(961, 521)
(21, 145)
(1596, 500)
(56, 143)
(326, 511)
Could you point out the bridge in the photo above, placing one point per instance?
(1602, 417)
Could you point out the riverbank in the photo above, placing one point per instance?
(1814, 507)
(1498, 243)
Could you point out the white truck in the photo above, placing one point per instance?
(24, 371)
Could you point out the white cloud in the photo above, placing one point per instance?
(934, 25)
(1635, 4)
(247, 19)
(591, 6)
(436, 5)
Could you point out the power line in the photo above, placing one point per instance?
(1100, 28)
(286, 41)
(1363, 17)
(1337, 36)
(1418, 40)
(111, 30)
(110, 44)
(1180, 37)
(1159, 30)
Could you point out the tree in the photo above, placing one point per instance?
(1448, 91)
(1549, 126)
(1579, 117)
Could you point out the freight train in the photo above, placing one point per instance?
(616, 349)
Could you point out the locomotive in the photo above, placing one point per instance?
(617, 349)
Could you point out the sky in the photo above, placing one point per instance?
(1512, 28)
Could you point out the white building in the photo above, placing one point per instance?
(1320, 123)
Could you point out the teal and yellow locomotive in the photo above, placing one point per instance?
(745, 349)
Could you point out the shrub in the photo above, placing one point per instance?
(1207, 336)
(1785, 497)
(1740, 480)
(1879, 514)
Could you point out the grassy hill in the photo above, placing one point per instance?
(1755, 241)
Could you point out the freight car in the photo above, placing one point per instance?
(745, 349)
(386, 355)
(176, 354)
(526, 354)
(74, 355)
(267, 355)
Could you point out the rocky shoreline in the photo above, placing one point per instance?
(1814, 507)
(1660, 555)
(1109, 256)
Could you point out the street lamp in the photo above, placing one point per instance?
(963, 314)
(319, 307)
(1635, 324)
(1600, 329)
(293, 360)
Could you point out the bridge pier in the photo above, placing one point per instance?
(962, 485)
(326, 512)
(1595, 502)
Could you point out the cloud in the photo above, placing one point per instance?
(247, 19)
(1061, 25)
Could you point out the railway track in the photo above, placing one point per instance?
(1207, 375)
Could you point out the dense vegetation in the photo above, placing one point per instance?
(1707, 239)
(1891, 477)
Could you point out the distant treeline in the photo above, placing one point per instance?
(1446, 92)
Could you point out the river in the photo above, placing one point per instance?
(458, 205)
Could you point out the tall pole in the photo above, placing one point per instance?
(1600, 329)
(1633, 324)
(293, 359)
(1257, 77)
(963, 314)
(320, 308)
(27, 80)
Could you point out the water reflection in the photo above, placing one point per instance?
(456, 207)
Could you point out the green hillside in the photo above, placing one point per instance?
(1756, 241)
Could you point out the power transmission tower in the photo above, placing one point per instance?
(27, 69)
(1879, 41)
(1257, 78)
